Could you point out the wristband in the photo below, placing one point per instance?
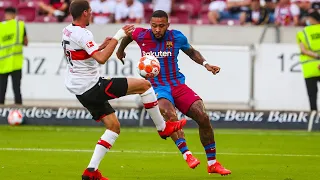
(205, 63)
(119, 35)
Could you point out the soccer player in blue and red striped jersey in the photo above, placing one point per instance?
(170, 84)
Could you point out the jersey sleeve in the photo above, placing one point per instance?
(136, 33)
(88, 44)
(183, 41)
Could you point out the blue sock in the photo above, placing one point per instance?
(182, 145)
(210, 151)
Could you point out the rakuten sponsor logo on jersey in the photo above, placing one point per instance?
(157, 54)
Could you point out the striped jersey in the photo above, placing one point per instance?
(82, 70)
(166, 50)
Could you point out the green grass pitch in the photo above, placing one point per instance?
(51, 153)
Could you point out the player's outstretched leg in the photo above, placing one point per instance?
(149, 99)
(168, 112)
(198, 113)
(102, 147)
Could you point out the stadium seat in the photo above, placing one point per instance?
(204, 2)
(45, 19)
(13, 3)
(183, 12)
(68, 19)
(45, 1)
(28, 9)
(174, 20)
(196, 4)
(5, 4)
(204, 9)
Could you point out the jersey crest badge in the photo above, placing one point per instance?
(169, 44)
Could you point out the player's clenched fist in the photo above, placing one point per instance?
(121, 55)
(214, 69)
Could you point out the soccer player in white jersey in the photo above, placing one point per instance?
(83, 80)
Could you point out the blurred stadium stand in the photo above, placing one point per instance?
(183, 12)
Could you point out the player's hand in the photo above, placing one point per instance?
(128, 29)
(121, 56)
(105, 43)
(214, 69)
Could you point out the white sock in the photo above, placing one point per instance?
(103, 146)
(150, 102)
(211, 162)
(185, 154)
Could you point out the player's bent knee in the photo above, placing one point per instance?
(146, 84)
(138, 85)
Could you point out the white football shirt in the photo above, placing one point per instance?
(82, 70)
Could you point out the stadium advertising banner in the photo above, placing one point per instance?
(45, 66)
(135, 117)
(279, 83)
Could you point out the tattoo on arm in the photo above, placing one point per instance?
(194, 55)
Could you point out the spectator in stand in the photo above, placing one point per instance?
(103, 11)
(270, 5)
(286, 13)
(257, 15)
(304, 6)
(129, 11)
(226, 9)
(164, 5)
(315, 4)
(58, 8)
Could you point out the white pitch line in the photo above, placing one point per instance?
(153, 152)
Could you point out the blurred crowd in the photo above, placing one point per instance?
(230, 12)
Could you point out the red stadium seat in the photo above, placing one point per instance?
(204, 9)
(28, 9)
(13, 3)
(196, 4)
(206, 1)
(174, 20)
(5, 4)
(45, 1)
(68, 19)
(182, 12)
(45, 19)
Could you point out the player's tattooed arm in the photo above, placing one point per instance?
(198, 58)
(194, 55)
(124, 43)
